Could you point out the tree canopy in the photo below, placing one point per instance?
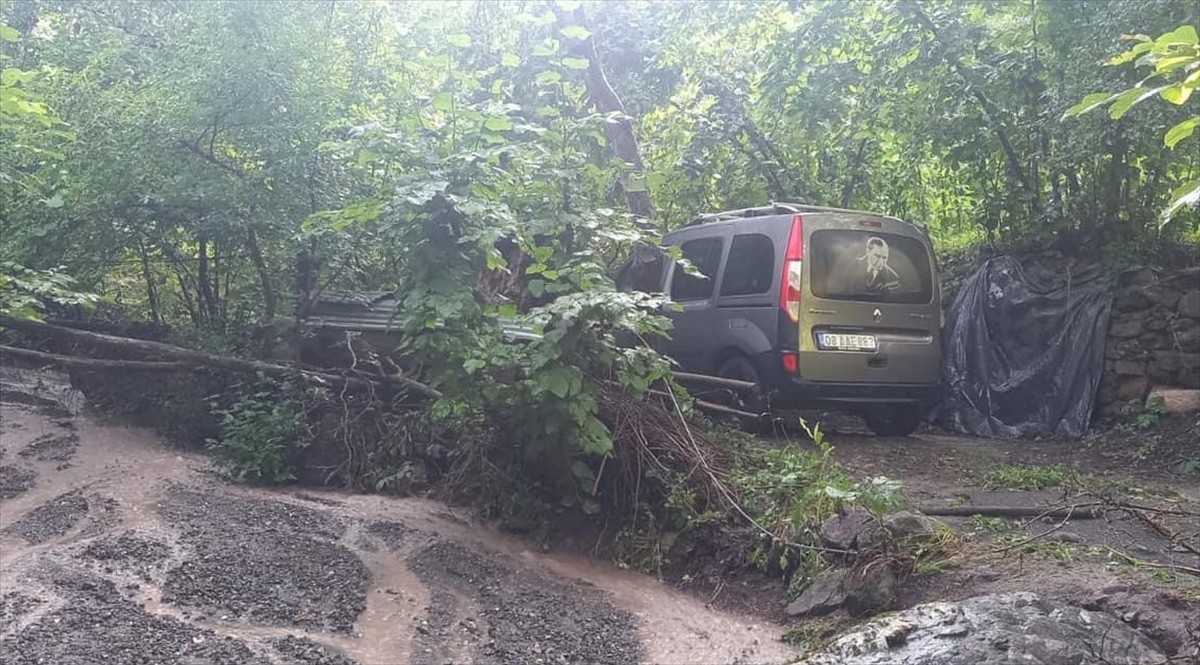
(178, 157)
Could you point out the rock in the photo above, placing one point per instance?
(903, 527)
(1189, 305)
(1137, 277)
(1133, 389)
(825, 594)
(1176, 400)
(990, 630)
(1128, 368)
(1127, 326)
(870, 589)
(1132, 300)
(842, 531)
(1163, 295)
(1186, 333)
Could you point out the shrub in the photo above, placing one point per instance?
(260, 436)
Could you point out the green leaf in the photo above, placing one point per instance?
(443, 101)
(575, 63)
(1089, 102)
(1171, 63)
(1126, 100)
(546, 48)
(547, 78)
(510, 60)
(1183, 35)
(1180, 132)
(55, 201)
(1186, 195)
(498, 123)
(9, 33)
(577, 32)
(459, 39)
(1129, 55)
(1177, 94)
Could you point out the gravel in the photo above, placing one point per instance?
(393, 534)
(264, 562)
(529, 617)
(303, 651)
(51, 519)
(57, 447)
(15, 480)
(97, 625)
(128, 547)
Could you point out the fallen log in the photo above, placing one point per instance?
(94, 363)
(208, 359)
(1080, 511)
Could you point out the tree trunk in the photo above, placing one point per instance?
(204, 280)
(620, 133)
(151, 289)
(264, 276)
(200, 358)
(646, 263)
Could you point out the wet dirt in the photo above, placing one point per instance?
(164, 563)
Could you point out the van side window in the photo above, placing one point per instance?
(750, 266)
(705, 254)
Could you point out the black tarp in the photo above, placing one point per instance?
(1024, 356)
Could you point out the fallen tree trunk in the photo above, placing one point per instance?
(93, 363)
(1081, 511)
(208, 359)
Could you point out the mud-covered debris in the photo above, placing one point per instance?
(263, 561)
(97, 625)
(15, 480)
(51, 519)
(303, 651)
(393, 534)
(185, 506)
(56, 447)
(13, 606)
(530, 617)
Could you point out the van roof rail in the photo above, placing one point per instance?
(773, 208)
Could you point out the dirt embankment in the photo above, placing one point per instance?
(118, 549)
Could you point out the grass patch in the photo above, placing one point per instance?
(1027, 476)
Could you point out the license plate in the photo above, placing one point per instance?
(843, 342)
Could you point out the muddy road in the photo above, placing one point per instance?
(115, 548)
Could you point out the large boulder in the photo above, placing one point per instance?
(823, 595)
(841, 532)
(903, 528)
(990, 630)
(862, 591)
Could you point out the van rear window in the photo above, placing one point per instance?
(862, 265)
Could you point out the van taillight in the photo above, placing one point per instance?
(789, 283)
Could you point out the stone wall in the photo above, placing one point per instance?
(1153, 336)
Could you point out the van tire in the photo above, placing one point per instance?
(895, 420)
(742, 368)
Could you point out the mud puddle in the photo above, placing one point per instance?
(117, 548)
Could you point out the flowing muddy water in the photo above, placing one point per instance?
(116, 548)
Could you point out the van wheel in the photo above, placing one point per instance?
(740, 368)
(895, 420)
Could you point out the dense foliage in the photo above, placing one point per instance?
(177, 157)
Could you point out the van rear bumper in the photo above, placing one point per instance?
(798, 392)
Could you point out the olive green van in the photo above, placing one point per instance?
(818, 306)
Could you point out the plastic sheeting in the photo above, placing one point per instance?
(1023, 357)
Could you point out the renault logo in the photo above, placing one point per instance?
(877, 314)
